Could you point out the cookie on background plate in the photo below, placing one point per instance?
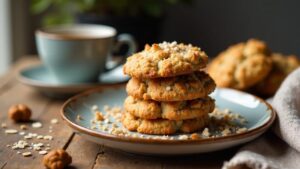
(184, 87)
(181, 110)
(165, 60)
(242, 65)
(282, 66)
(161, 126)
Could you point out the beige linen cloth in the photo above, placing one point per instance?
(270, 151)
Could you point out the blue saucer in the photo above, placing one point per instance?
(40, 79)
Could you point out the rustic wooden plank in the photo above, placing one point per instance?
(83, 152)
(116, 159)
(110, 158)
(213, 160)
(8, 80)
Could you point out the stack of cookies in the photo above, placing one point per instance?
(167, 92)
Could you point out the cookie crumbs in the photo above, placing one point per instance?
(95, 108)
(226, 111)
(105, 128)
(99, 116)
(37, 125)
(117, 131)
(22, 133)
(39, 137)
(3, 125)
(34, 134)
(48, 137)
(43, 152)
(37, 148)
(106, 121)
(106, 108)
(226, 132)
(195, 136)
(206, 132)
(27, 154)
(23, 127)
(21, 144)
(164, 137)
(241, 130)
(11, 131)
(134, 135)
(39, 144)
(243, 121)
(183, 137)
(54, 121)
(115, 125)
(78, 117)
(27, 137)
(115, 110)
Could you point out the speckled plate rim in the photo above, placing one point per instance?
(255, 131)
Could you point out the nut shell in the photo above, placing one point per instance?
(19, 113)
(57, 159)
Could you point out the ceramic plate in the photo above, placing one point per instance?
(257, 112)
(40, 79)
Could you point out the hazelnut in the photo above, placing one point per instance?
(19, 113)
(57, 159)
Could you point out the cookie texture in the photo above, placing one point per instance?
(242, 65)
(184, 87)
(181, 110)
(282, 66)
(161, 126)
(165, 60)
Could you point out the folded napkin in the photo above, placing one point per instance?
(281, 151)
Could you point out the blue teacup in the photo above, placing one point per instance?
(78, 53)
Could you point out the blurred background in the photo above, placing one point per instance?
(210, 24)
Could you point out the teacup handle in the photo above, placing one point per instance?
(124, 39)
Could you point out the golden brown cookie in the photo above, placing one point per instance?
(184, 87)
(181, 110)
(165, 60)
(242, 65)
(282, 66)
(161, 126)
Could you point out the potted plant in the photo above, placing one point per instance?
(141, 18)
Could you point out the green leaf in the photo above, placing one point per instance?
(39, 6)
(153, 8)
(57, 19)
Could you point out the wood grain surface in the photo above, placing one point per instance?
(85, 154)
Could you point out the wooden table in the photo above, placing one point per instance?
(85, 154)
